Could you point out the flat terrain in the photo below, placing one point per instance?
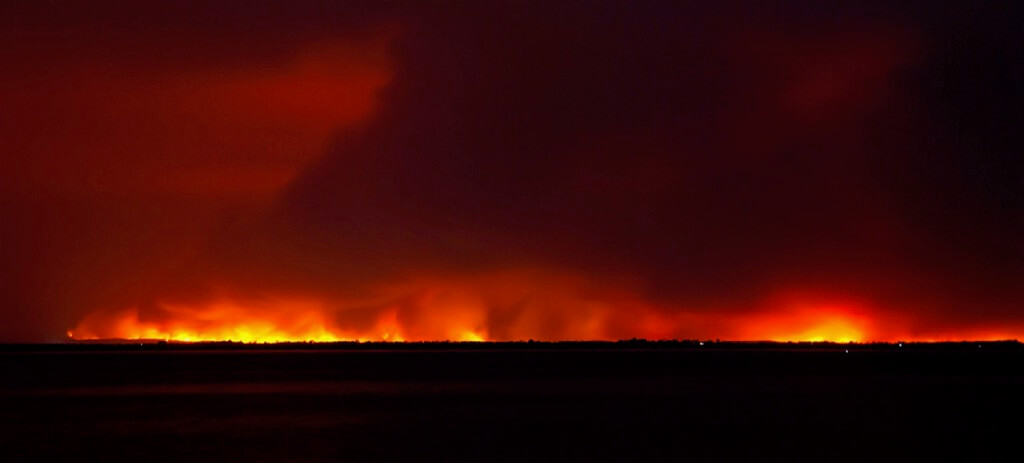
(552, 403)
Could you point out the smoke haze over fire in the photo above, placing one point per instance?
(511, 170)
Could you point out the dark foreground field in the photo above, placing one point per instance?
(142, 404)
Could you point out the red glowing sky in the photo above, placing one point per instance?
(503, 171)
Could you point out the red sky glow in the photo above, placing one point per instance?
(506, 171)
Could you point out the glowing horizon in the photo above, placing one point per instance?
(302, 321)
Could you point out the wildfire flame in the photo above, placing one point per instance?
(502, 307)
(813, 325)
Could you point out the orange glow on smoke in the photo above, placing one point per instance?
(808, 324)
(230, 128)
(509, 306)
(294, 321)
(516, 305)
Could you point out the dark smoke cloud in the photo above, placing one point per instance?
(712, 154)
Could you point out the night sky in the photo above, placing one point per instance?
(511, 170)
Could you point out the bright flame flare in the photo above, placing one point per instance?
(809, 324)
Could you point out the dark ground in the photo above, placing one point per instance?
(511, 403)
